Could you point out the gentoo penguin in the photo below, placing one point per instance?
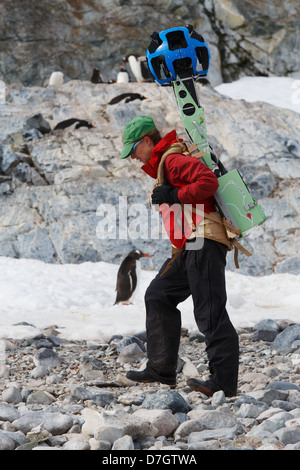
(138, 66)
(127, 277)
(56, 79)
(96, 76)
(77, 123)
(123, 76)
(127, 97)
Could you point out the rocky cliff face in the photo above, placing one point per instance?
(256, 37)
(56, 186)
(245, 36)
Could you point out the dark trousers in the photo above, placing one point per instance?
(200, 273)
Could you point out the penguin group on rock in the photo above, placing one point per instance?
(138, 67)
(136, 64)
(128, 276)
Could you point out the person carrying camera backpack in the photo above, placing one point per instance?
(196, 271)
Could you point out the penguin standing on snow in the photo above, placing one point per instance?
(127, 277)
(138, 66)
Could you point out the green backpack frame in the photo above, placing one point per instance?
(233, 197)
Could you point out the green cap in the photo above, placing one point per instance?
(134, 130)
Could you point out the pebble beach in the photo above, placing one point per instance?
(57, 394)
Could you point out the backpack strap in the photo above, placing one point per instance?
(177, 147)
(226, 233)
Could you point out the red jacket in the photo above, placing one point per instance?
(196, 182)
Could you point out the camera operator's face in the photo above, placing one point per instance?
(142, 150)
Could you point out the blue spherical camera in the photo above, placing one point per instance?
(177, 51)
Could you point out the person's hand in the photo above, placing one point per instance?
(166, 194)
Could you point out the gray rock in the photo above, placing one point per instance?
(261, 434)
(123, 443)
(129, 340)
(40, 397)
(9, 159)
(76, 444)
(275, 422)
(267, 396)
(43, 343)
(264, 335)
(197, 446)
(53, 422)
(294, 397)
(8, 412)
(128, 399)
(46, 357)
(166, 400)
(131, 353)
(292, 446)
(268, 413)
(248, 410)
(163, 420)
(109, 433)
(289, 435)
(187, 427)
(197, 337)
(214, 419)
(37, 122)
(285, 405)
(103, 399)
(209, 434)
(18, 438)
(12, 395)
(248, 399)
(6, 443)
(283, 386)
(289, 265)
(218, 398)
(81, 393)
(285, 339)
(267, 325)
(124, 423)
(99, 445)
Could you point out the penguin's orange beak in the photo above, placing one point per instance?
(147, 256)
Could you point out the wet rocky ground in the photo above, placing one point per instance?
(57, 394)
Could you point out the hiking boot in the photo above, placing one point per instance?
(207, 387)
(149, 375)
